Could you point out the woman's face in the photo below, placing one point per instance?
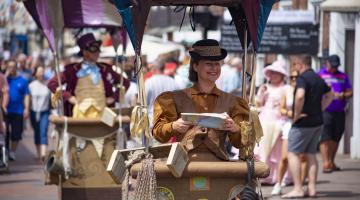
(293, 77)
(40, 73)
(207, 70)
(276, 77)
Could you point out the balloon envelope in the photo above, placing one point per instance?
(52, 16)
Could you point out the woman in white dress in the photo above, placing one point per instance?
(268, 101)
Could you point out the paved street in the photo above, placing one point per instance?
(25, 179)
(344, 184)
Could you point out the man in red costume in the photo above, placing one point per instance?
(89, 84)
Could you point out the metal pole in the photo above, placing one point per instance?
(245, 63)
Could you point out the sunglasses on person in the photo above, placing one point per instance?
(293, 77)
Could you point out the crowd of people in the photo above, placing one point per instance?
(299, 111)
(299, 118)
(24, 96)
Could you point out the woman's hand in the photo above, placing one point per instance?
(263, 91)
(302, 115)
(181, 126)
(289, 113)
(262, 95)
(230, 125)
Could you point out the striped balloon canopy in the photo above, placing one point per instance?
(248, 15)
(52, 16)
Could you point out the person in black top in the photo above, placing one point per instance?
(312, 96)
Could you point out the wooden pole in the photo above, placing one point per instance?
(299, 4)
(120, 135)
(253, 80)
(325, 31)
(57, 72)
(142, 98)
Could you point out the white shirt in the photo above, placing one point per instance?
(40, 96)
(156, 85)
(229, 79)
(130, 95)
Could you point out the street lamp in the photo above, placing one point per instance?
(316, 5)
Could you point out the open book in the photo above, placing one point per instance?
(209, 120)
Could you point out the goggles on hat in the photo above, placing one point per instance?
(93, 48)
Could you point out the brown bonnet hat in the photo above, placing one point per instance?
(207, 49)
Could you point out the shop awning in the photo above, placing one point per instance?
(341, 6)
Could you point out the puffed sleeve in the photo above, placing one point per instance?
(53, 84)
(239, 113)
(164, 114)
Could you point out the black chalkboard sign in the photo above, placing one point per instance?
(277, 38)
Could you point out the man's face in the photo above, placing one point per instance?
(237, 64)
(329, 68)
(22, 61)
(239, 67)
(92, 53)
(298, 65)
(11, 67)
(208, 70)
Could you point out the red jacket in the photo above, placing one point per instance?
(68, 77)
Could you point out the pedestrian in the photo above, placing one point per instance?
(170, 68)
(237, 64)
(182, 74)
(230, 78)
(334, 115)
(23, 67)
(312, 96)
(49, 71)
(89, 84)
(157, 84)
(40, 111)
(286, 107)
(268, 100)
(4, 100)
(202, 143)
(18, 108)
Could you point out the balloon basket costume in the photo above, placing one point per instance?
(83, 153)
